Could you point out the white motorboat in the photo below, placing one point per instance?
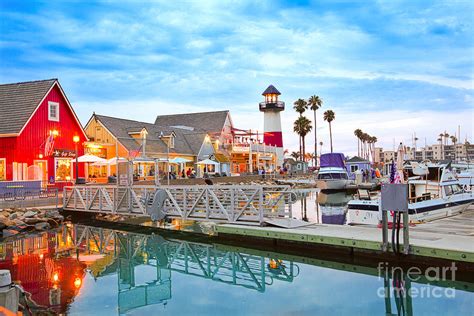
(437, 195)
(465, 173)
(332, 174)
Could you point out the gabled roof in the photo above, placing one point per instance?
(209, 122)
(356, 159)
(18, 101)
(271, 90)
(185, 142)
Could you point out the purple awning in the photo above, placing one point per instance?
(332, 160)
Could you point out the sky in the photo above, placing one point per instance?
(390, 68)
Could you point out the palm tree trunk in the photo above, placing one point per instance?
(300, 148)
(304, 149)
(330, 134)
(315, 141)
(358, 147)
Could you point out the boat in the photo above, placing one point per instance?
(332, 173)
(465, 174)
(437, 194)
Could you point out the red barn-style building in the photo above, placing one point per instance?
(39, 133)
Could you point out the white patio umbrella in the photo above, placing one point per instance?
(179, 160)
(208, 162)
(90, 158)
(113, 161)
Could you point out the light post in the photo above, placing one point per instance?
(76, 139)
(167, 159)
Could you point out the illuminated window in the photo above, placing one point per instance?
(3, 169)
(63, 169)
(53, 111)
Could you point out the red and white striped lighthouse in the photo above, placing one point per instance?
(271, 108)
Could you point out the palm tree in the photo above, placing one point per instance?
(330, 116)
(300, 106)
(315, 102)
(446, 136)
(453, 139)
(358, 133)
(320, 148)
(302, 127)
(415, 139)
(295, 155)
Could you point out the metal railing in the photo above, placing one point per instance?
(223, 203)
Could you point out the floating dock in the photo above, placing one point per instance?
(450, 238)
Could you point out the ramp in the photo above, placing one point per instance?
(286, 222)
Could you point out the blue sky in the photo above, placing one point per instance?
(391, 68)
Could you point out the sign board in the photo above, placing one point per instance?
(124, 174)
(64, 153)
(394, 197)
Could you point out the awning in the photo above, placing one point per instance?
(208, 162)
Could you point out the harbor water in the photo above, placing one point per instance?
(85, 270)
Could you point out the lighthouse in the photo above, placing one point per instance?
(271, 109)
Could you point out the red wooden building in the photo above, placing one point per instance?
(39, 133)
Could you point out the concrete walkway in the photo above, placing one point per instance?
(450, 238)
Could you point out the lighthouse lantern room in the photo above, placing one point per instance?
(271, 108)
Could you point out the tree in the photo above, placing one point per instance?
(315, 102)
(330, 116)
(300, 106)
(302, 127)
(453, 139)
(358, 133)
(446, 136)
(467, 144)
(295, 155)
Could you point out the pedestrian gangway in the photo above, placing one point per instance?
(247, 204)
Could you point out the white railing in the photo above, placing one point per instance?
(224, 203)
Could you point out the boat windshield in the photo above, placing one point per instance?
(452, 189)
(331, 176)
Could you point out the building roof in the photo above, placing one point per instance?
(18, 101)
(185, 142)
(357, 159)
(209, 122)
(271, 90)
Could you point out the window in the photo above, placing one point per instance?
(172, 141)
(63, 169)
(354, 168)
(53, 111)
(3, 169)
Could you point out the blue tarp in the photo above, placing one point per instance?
(332, 160)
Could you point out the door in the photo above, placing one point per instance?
(43, 166)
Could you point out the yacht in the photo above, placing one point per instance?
(332, 173)
(465, 173)
(436, 194)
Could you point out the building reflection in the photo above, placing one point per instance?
(51, 266)
(45, 266)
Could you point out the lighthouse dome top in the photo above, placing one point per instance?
(271, 90)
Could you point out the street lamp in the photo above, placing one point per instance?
(76, 139)
(167, 159)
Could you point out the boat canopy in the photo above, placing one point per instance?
(332, 160)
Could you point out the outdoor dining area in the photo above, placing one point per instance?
(100, 170)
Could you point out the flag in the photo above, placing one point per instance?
(49, 146)
(134, 153)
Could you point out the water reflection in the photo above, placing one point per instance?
(89, 270)
(322, 207)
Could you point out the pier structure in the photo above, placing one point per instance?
(245, 204)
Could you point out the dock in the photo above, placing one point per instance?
(450, 238)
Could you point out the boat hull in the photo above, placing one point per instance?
(339, 184)
(366, 212)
